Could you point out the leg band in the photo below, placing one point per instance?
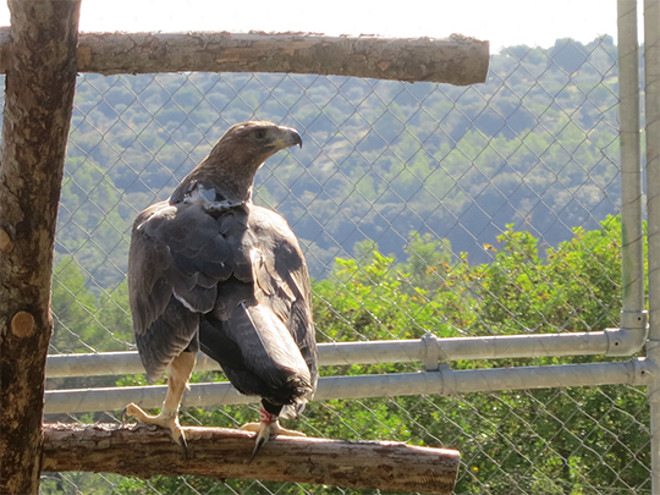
(266, 417)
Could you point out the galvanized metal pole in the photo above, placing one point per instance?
(610, 342)
(633, 316)
(652, 112)
(444, 382)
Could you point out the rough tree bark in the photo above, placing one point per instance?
(456, 60)
(40, 83)
(223, 453)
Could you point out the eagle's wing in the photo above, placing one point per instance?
(261, 330)
(282, 282)
(178, 255)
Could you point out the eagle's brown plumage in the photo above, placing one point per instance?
(210, 270)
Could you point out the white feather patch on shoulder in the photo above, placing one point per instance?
(185, 303)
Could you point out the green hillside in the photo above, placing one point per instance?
(536, 145)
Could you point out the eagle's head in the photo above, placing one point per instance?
(250, 143)
(235, 159)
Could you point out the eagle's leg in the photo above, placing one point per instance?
(177, 381)
(268, 425)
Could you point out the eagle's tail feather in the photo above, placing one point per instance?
(258, 355)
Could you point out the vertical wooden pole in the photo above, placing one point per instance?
(40, 84)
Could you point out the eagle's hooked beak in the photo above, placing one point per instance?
(281, 137)
(293, 136)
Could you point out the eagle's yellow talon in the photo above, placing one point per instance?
(267, 427)
(167, 421)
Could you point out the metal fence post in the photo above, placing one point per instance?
(652, 106)
(632, 248)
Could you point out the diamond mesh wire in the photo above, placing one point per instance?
(481, 210)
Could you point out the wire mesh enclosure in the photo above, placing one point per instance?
(486, 210)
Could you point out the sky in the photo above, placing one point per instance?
(502, 22)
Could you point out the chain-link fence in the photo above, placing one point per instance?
(462, 211)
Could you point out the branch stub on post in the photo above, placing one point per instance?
(5, 242)
(22, 325)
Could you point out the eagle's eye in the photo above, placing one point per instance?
(260, 133)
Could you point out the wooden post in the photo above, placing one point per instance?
(457, 60)
(40, 83)
(223, 453)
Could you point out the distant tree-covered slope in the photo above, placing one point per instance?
(536, 145)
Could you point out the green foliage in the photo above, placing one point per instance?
(85, 322)
(92, 222)
(428, 262)
(72, 305)
(548, 441)
(576, 288)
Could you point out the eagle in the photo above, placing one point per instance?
(209, 270)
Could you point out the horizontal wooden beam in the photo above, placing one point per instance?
(457, 60)
(222, 453)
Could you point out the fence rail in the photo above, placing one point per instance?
(429, 350)
(443, 382)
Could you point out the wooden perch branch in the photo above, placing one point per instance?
(222, 453)
(456, 60)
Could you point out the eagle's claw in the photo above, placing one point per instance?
(264, 430)
(169, 422)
